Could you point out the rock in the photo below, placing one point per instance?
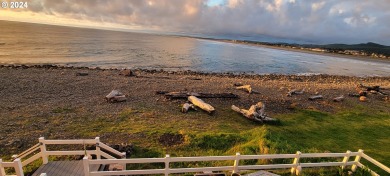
(116, 96)
(363, 98)
(126, 72)
(237, 84)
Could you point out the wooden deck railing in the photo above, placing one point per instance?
(295, 167)
(40, 151)
(104, 156)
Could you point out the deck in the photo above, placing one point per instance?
(63, 168)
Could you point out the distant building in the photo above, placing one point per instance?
(318, 49)
(352, 52)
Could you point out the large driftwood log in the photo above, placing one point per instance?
(177, 95)
(201, 104)
(115, 96)
(255, 112)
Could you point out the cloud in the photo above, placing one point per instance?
(330, 21)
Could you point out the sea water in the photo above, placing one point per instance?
(25, 43)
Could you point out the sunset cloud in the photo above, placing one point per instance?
(330, 21)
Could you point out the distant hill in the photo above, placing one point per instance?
(365, 47)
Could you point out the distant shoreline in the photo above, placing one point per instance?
(361, 58)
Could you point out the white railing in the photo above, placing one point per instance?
(16, 164)
(103, 151)
(295, 167)
(40, 151)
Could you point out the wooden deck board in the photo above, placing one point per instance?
(63, 168)
(49, 167)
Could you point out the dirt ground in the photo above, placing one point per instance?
(39, 92)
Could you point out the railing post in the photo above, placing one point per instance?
(2, 171)
(43, 150)
(346, 159)
(86, 166)
(98, 151)
(296, 169)
(124, 157)
(167, 160)
(236, 163)
(357, 160)
(18, 167)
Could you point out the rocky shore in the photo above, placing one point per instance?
(47, 100)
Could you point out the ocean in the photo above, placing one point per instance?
(26, 43)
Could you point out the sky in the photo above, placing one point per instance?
(320, 21)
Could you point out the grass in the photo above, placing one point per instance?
(347, 130)
(226, 133)
(63, 110)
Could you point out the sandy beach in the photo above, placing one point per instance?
(42, 101)
(360, 58)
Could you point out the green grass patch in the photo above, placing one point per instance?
(227, 132)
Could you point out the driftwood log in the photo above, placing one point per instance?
(201, 104)
(255, 112)
(186, 107)
(177, 95)
(373, 88)
(295, 92)
(247, 88)
(115, 96)
(338, 99)
(316, 97)
(81, 74)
